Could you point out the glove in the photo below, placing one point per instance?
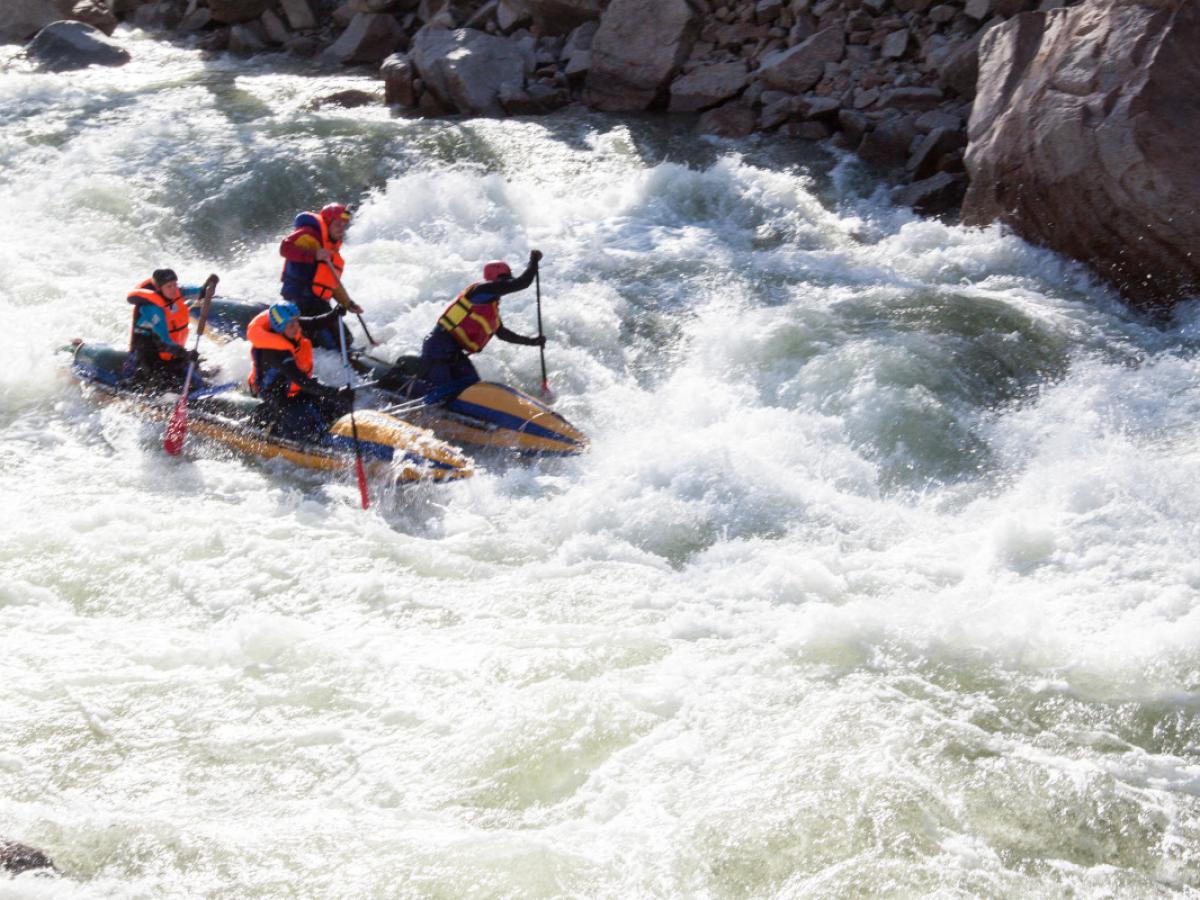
(539, 341)
(355, 308)
(192, 355)
(210, 283)
(340, 311)
(345, 394)
(535, 256)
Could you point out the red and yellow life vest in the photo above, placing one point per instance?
(325, 278)
(261, 337)
(175, 310)
(471, 324)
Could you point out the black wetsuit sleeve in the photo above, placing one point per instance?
(318, 322)
(283, 365)
(506, 285)
(503, 334)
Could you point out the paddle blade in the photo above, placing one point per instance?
(361, 474)
(547, 394)
(176, 432)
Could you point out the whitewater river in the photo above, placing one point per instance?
(880, 578)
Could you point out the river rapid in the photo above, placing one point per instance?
(880, 577)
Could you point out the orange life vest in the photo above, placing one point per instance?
(325, 281)
(261, 337)
(175, 310)
(471, 324)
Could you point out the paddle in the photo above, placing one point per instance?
(546, 394)
(359, 471)
(361, 321)
(176, 432)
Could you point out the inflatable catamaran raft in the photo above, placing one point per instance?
(391, 446)
(484, 416)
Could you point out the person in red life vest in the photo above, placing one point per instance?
(158, 355)
(468, 324)
(313, 268)
(296, 404)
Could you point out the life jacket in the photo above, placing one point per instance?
(300, 279)
(261, 337)
(471, 324)
(176, 312)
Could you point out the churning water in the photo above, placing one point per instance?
(880, 577)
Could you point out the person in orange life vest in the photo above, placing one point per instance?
(469, 323)
(158, 355)
(312, 271)
(296, 404)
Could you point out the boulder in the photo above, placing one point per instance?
(799, 68)
(398, 75)
(17, 858)
(93, 12)
(562, 16)
(348, 99)
(466, 69)
(959, 69)
(706, 86)
(370, 38)
(1083, 139)
(895, 45)
(887, 145)
(727, 121)
(637, 50)
(918, 98)
(299, 14)
(924, 159)
(535, 100)
(277, 33)
(248, 38)
(64, 46)
(512, 14)
(234, 12)
(22, 19)
(933, 196)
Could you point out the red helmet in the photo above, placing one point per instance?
(496, 269)
(333, 211)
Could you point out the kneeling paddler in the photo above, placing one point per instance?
(296, 404)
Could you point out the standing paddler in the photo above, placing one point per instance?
(313, 268)
(467, 325)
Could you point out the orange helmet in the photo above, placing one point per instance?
(496, 269)
(331, 212)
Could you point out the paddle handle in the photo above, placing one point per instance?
(537, 280)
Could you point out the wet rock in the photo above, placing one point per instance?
(349, 99)
(799, 68)
(939, 194)
(853, 124)
(64, 46)
(562, 16)
(277, 33)
(535, 100)
(1083, 139)
(18, 858)
(370, 38)
(707, 86)
(637, 50)
(935, 118)
(299, 14)
(234, 12)
(727, 121)
(807, 131)
(197, 19)
(929, 151)
(247, 38)
(888, 144)
(466, 69)
(398, 76)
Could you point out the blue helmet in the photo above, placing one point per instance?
(280, 314)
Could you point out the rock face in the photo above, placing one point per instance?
(707, 86)
(465, 69)
(1083, 139)
(370, 38)
(636, 51)
(561, 16)
(797, 69)
(63, 46)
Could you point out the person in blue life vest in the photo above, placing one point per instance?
(312, 272)
(295, 404)
(158, 353)
(467, 325)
